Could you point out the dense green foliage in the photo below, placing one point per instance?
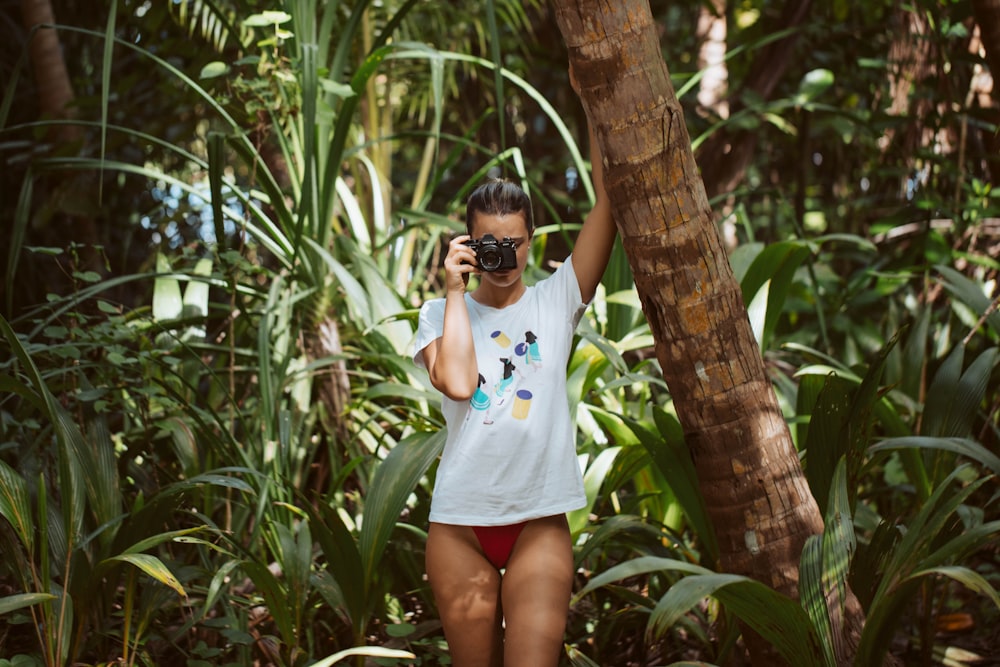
(215, 448)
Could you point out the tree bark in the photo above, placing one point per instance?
(748, 470)
(55, 92)
(725, 156)
(55, 102)
(712, 32)
(987, 13)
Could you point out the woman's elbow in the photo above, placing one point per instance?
(457, 389)
(458, 395)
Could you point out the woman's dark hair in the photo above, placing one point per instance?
(499, 197)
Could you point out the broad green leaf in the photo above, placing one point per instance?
(161, 538)
(636, 567)
(217, 586)
(15, 506)
(593, 479)
(152, 566)
(608, 529)
(954, 396)
(167, 302)
(213, 69)
(825, 566)
(813, 84)
(370, 651)
(344, 564)
(972, 295)
(69, 437)
(967, 577)
(267, 19)
(22, 600)
(825, 444)
(962, 446)
(274, 595)
(962, 545)
(774, 268)
(336, 88)
(811, 593)
(393, 482)
(671, 456)
(778, 619)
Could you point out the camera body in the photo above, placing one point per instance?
(493, 255)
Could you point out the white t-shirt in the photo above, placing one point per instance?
(510, 454)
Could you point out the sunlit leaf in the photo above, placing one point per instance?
(152, 566)
(267, 18)
(213, 69)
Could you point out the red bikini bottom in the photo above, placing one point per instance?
(498, 541)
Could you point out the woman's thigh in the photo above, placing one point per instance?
(536, 590)
(466, 589)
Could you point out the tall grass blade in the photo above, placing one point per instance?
(106, 62)
(22, 216)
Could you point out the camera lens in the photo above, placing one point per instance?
(489, 259)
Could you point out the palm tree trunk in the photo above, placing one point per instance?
(987, 13)
(55, 97)
(748, 470)
(725, 156)
(55, 92)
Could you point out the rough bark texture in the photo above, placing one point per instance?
(62, 196)
(987, 13)
(725, 156)
(55, 92)
(712, 32)
(756, 493)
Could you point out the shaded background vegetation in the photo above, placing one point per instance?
(215, 448)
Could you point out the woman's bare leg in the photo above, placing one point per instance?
(536, 590)
(466, 589)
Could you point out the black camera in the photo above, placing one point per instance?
(493, 255)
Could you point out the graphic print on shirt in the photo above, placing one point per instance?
(480, 401)
(532, 353)
(511, 378)
(502, 388)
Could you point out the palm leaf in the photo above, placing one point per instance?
(371, 651)
(636, 567)
(954, 396)
(971, 294)
(672, 459)
(344, 565)
(394, 480)
(778, 619)
(22, 600)
(772, 273)
(911, 554)
(825, 566)
(962, 446)
(275, 598)
(15, 506)
(152, 566)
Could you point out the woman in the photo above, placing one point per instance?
(499, 555)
